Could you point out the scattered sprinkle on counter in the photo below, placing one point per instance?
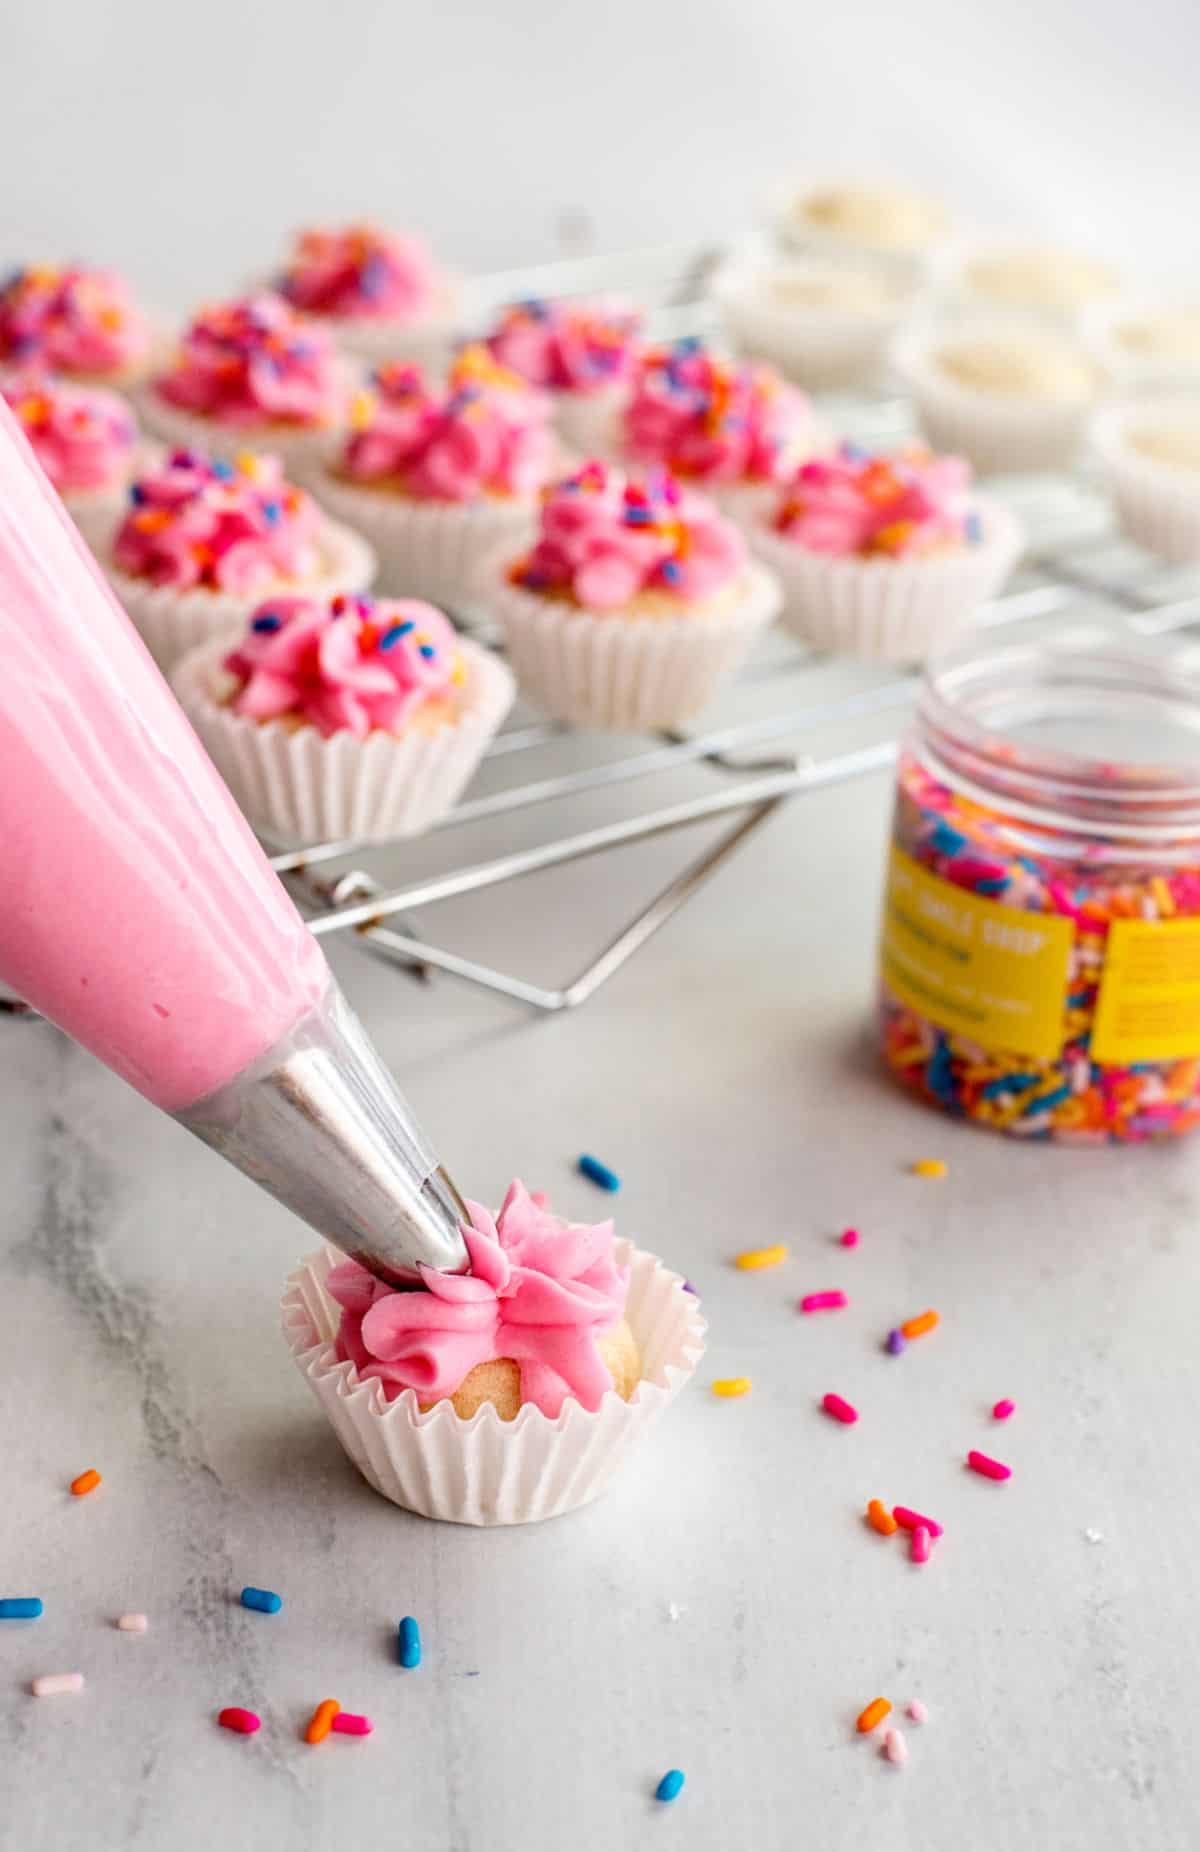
(732, 1385)
(918, 1326)
(347, 1723)
(919, 1543)
(132, 1623)
(752, 1259)
(1002, 1409)
(85, 1483)
(870, 1718)
(917, 1711)
(408, 1643)
(321, 1722)
(986, 1467)
(262, 1600)
(880, 1518)
(849, 1237)
(56, 1684)
(839, 1408)
(599, 1174)
(671, 1785)
(244, 1722)
(20, 1607)
(895, 1748)
(909, 1520)
(895, 1343)
(824, 1302)
(929, 1167)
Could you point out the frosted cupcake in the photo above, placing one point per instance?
(439, 477)
(343, 717)
(1150, 454)
(888, 226)
(580, 353)
(1010, 397)
(635, 602)
(84, 437)
(734, 431)
(204, 541)
(1056, 285)
(83, 323)
(885, 557)
(378, 293)
(251, 374)
(506, 1394)
(823, 324)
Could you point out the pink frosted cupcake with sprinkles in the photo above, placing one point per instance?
(377, 292)
(885, 556)
(202, 542)
(635, 602)
(345, 717)
(581, 353)
(251, 374)
(505, 1394)
(84, 437)
(439, 478)
(83, 323)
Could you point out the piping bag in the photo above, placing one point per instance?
(139, 914)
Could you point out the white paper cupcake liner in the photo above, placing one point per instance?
(428, 344)
(1141, 371)
(918, 265)
(625, 674)
(590, 422)
(1157, 506)
(488, 1471)
(999, 434)
(171, 623)
(300, 450)
(293, 782)
(890, 610)
(823, 349)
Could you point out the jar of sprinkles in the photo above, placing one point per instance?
(1040, 949)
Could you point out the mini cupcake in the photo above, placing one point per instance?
(83, 323)
(438, 478)
(1058, 286)
(635, 602)
(1148, 346)
(886, 226)
(580, 353)
(84, 437)
(378, 293)
(506, 1394)
(251, 374)
(734, 431)
(885, 557)
(1150, 454)
(344, 717)
(1010, 397)
(204, 542)
(825, 325)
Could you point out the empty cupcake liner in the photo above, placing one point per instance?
(890, 610)
(486, 1471)
(171, 622)
(916, 265)
(997, 433)
(1157, 506)
(292, 782)
(824, 349)
(625, 674)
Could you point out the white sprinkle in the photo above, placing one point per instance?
(674, 1611)
(1094, 1536)
(51, 1683)
(917, 1711)
(895, 1748)
(132, 1623)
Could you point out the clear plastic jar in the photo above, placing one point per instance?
(1040, 952)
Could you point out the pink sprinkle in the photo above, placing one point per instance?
(920, 1543)
(910, 1520)
(839, 1408)
(850, 1237)
(1003, 1409)
(823, 1302)
(917, 1711)
(347, 1724)
(538, 1198)
(990, 1469)
(895, 1748)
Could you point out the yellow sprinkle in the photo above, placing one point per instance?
(731, 1385)
(362, 410)
(458, 673)
(930, 1167)
(247, 464)
(754, 1258)
(1162, 895)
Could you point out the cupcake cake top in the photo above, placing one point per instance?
(711, 420)
(1044, 279)
(345, 665)
(71, 319)
(562, 346)
(83, 436)
(1174, 444)
(254, 361)
(539, 1291)
(1160, 334)
(883, 218)
(606, 537)
(228, 527)
(1018, 366)
(360, 272)
(486, 433)
(873, 506)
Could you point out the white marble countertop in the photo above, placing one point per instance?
(727, 1074)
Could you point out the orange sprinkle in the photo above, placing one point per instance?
(321, 1721)
(874, 1714)
(917, 1327)
(86, 1482)
(880, 1518)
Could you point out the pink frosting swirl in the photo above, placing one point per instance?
(230, 527)
(83, 436)
(711, 421)
(568, 346)
(74, 320)
(346, 665)
(539, 1292)
(254, 362)
(854, 502)
(486, 434)
(360, 272)
(605, 537)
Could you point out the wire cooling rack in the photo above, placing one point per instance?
(793, 723)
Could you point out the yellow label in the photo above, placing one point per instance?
(995, 974)
(1149, 1004)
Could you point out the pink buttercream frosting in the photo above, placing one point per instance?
(605, 537)
(712, 421)
(83, 436)
(857, 503)
(487, 433)
(346, 665)
(255, 361)
(230, 527)
(360, 272)
(568, 346)
(539, 1292)
(72, 319)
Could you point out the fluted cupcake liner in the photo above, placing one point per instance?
(823, 349)
(300, 448)
(292, 781)
(428, 343)
(488, 1471)
(1157, 506)
(998, 433)
(590, 422)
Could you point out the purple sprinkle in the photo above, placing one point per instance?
(689, 1288)
(895, 1343)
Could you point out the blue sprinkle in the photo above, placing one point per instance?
(262, 1600)
(408, 1643)
(395, 633)
(895, 1343)
(974, 529)
(428, 651)
(636, 516)
(21, 1607)
(670, 571)
(599, 1174)
(266, 623)
(222, 471)
(1009, 1083)
(947, 841)
(671, 1785)
(272, 513)
(1046, 1101)
(137, 494)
